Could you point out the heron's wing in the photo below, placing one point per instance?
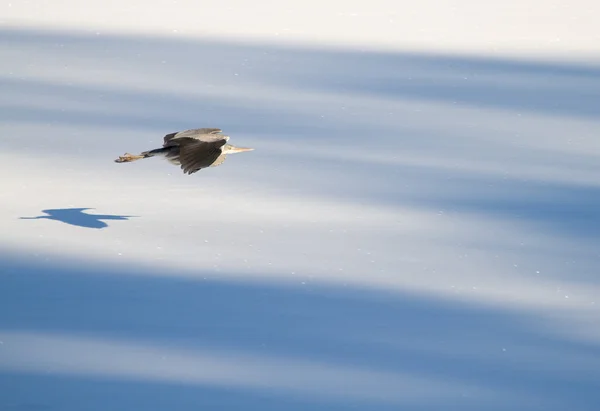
(168, 138)
(219, 160)
(195, 155)
(203, 134)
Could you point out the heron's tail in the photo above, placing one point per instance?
(156, 151)
(127, 158)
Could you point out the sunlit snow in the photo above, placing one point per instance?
(418, 227)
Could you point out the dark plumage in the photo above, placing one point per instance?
(193, 149)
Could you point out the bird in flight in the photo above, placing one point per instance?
(193, 149)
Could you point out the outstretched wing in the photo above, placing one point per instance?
(195, 155)
(202, 134)
(168, 138)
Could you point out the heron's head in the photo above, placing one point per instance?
(229, 149)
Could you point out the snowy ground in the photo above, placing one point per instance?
(418, 227)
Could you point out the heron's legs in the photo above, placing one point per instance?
(127, 158)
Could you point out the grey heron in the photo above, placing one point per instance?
(193, 149)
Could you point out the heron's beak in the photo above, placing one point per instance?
(239, 149)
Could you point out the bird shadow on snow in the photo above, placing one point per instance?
(77, 217)
(445, 355)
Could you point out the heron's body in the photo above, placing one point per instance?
(192, 150)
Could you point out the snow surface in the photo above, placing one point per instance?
(417, 229)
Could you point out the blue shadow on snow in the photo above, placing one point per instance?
(76, 217)
(509, 357)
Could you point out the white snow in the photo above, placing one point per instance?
(417, 228)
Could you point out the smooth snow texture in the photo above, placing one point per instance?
(417, 228)
(528, 27)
